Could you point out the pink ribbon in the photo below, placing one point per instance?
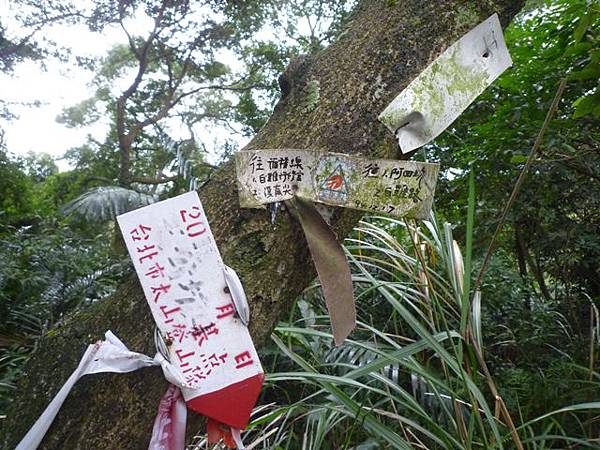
(169, 426)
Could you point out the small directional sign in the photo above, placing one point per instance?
(399, 188)
(268, 176)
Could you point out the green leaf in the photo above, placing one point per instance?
(106, 202)
(578, 49)
(591, 406)
(469, 255)
(582, 26)
(589, 72)
(518, 159)
(331, 385)
(585, 105)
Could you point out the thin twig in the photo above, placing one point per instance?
(500, 405)
(520, 180)
(147, 180)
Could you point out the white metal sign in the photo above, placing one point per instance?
(181, 272)
(432, 101)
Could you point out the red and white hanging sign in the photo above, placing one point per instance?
(182, 274)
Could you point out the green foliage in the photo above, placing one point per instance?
(250, 114)
(554, 225)
(57, 190)
(15, 49)
(400, 381)
(586, 49)
(97, 159)
(48, 270)
(410, 376)
(40, 166)
(182, 78)
(53, 268)
(15, 189)
(313, 96)
(115, 64)
(82, 114)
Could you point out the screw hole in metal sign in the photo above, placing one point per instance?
(412, 122)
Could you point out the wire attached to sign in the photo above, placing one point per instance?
(160, 345)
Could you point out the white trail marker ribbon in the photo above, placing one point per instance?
(110, 355)
(183, 277)
(168, 432)
(433, 100)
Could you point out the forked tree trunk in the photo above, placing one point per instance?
(386, 44)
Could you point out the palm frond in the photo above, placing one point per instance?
(106, 202)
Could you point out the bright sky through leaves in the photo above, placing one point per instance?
(61, 85)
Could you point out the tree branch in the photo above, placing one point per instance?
(579, 168)
(126, 138)
(132, 46)
(89, 179)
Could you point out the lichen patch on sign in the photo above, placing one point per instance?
(435, 99)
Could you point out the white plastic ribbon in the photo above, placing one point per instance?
(237, 438)
(110, 355)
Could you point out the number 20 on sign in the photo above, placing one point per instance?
(182, 274)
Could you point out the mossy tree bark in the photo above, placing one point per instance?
(386, 44)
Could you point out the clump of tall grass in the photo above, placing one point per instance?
(413, 374)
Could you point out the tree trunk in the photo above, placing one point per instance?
(386, 44)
